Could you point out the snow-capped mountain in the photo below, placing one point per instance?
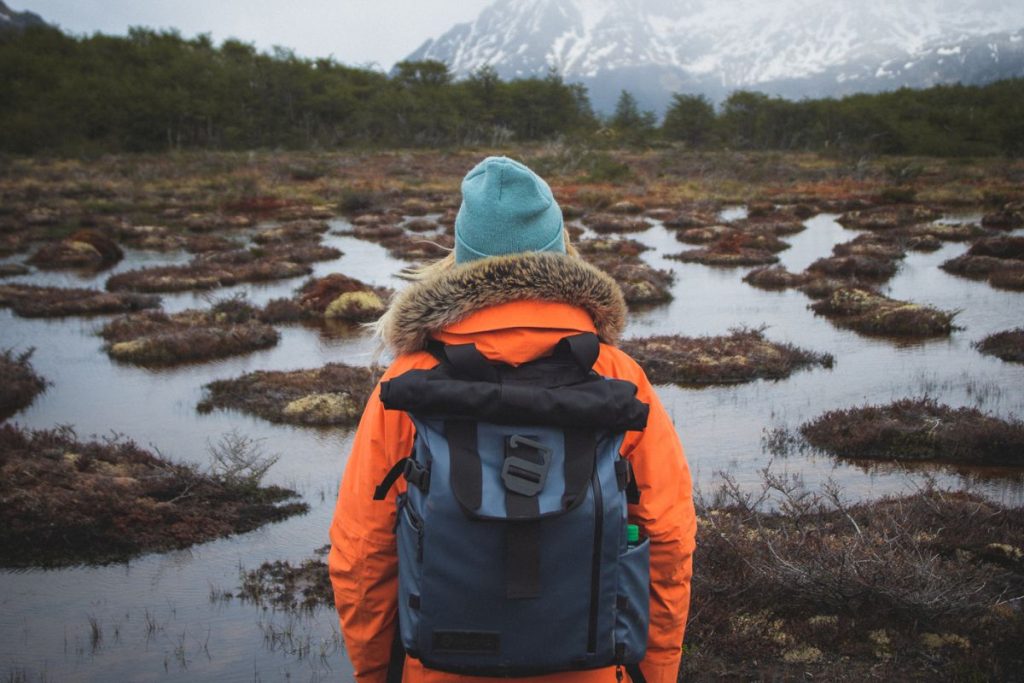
(791, 47)
(11, 20)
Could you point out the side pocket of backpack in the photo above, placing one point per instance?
(410, 566)
(632, 613)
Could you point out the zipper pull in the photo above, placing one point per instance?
(618, 673)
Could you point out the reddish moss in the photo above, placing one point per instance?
(67, 501)
(742, 356)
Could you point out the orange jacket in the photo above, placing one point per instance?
(363, 559)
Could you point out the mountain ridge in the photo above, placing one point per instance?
(792, 48)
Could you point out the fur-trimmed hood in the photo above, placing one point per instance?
(430, 305)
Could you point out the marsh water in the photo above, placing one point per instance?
(162, 617)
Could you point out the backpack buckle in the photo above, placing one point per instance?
(525, 470)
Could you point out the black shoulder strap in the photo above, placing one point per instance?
(469, 362)
(635, 674)
(584, 348)
(396, 663)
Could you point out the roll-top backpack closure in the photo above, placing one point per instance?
(560, 390)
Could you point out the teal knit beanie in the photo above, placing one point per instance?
(506, 209)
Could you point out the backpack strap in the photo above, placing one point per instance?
(469, 362)
(584, 348)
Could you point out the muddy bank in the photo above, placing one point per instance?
(19, 383)
(66, 501)
(154, 338)
(333, 297)
(871, 313)
(204, 275)
(333, 395)
(30, 301)
(1007, 345)
(742, 356)
(918, 429)
(919, 587)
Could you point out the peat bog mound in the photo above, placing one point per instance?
(917, 587)
(331, 395)
(204, 275)
(85, 249)
(332, 297)
(158, 339)
(918, 429)
(871, 313)
(1000, 260)
(30, 301)
(641, 283)
(1007, 345)
(742, 356)
(65, 501)
(19, 383)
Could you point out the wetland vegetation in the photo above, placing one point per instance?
(295, 261)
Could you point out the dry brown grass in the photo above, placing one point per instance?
(67, 501)
(918, 429)
(916, 587)
(19, 382)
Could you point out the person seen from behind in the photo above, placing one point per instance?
(513, 288)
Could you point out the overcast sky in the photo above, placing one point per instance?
(356, 32)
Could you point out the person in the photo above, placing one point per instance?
(513, 286)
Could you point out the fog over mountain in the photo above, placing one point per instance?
(793, 48)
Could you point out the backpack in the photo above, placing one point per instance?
(512, 546)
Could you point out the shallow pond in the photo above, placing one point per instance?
(161, 616)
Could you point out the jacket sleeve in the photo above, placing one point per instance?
(666, 514)
(363, 561)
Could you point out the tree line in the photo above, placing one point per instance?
(157, 91)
